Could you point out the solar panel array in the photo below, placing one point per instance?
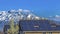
(37, 25)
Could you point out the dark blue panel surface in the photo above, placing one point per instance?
(44, 25)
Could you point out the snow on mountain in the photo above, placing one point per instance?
(17, 15)
(55, 18)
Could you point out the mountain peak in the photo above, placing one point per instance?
(17, 14)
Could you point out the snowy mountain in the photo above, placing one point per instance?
(56, 17)
(21, 14)
(17, 15)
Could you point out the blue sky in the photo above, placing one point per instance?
(40, 7)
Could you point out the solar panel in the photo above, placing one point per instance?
(37, 25)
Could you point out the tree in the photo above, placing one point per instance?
(14, 29)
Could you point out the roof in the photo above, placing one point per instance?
(38, 25)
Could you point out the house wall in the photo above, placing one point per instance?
(33, 33)
(42, 32)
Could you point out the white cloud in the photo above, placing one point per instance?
(57, 16)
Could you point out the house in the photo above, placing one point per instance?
(39, 27)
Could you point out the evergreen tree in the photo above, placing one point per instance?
(14, 29)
